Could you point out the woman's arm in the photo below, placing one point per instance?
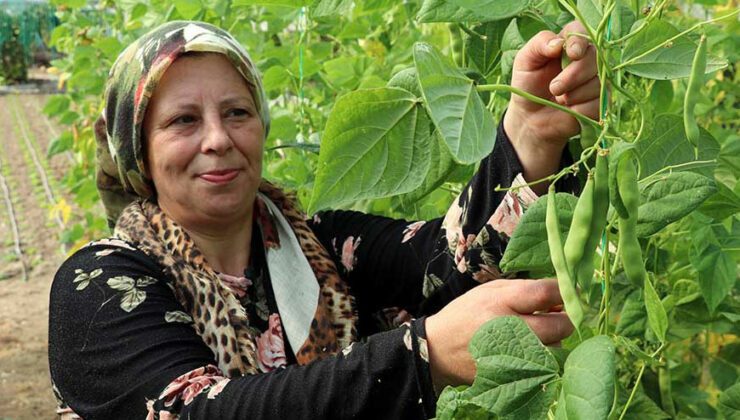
(421, 266)
(121, 346)
(448, 256)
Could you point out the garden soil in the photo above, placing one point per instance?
(25, 390)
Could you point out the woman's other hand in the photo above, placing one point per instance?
(539, 133)
(450, 330)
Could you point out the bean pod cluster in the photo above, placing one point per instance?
(574, 260)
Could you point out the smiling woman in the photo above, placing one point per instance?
(204, 150)
(217, 298)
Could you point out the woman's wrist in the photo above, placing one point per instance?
(539, 157)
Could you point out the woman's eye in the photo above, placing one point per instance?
(184, 119)
(238, 112)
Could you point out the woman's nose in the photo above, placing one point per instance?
(216, 137)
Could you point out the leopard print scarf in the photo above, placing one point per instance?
(219, 318)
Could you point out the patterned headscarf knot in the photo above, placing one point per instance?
(121, 166)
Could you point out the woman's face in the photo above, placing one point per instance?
(204, 142)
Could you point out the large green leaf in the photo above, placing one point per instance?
(469, 10)
(322, 8)
(717, 272)
(484, 51)
(454, 106)
(528, 249)
(591, 11)
(671, 61)
(511, 42)
(667, 146)
(454, 404)
(722, 204)
(725, 369)
(657, 317)
(588, 380)
(729, 402)
(188, 9)
(490, 10)
(641, 407)
(444, 11)
(406, 79)
(376, 144)
(284, 3)
(669, 198)
(444, 165)
(632, 317)
(514, 369)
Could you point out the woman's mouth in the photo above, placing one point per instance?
(221, 176)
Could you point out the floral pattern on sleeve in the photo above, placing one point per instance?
(476, 254)
(184, 389)
(506, 217)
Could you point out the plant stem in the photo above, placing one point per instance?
(471, 32)
(649, 18)
(607, 280)
(573, 10)
(536, 99)
(671, 39)
(670, 168)
(634, 391)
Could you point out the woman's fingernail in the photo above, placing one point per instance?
(555, 42)
(555, 86)
(576, 49)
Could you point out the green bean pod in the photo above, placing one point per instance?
(693, 90)
(580, 227)
(629, 245)
(589, 135)
(565, 278)
(585, 269)
(666, 397)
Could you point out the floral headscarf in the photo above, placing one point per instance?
(121, 174)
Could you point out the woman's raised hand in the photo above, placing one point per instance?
(449, 332)
(539, 133)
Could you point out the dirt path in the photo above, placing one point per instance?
(25, 391)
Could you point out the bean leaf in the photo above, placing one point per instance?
(632, 317)
(470, 10)
(527, 249)
(514, 370)
(454, 106)
(588, 380)
(376, 144)
(591, 11)
(510, 45)
(729, 402)
(670, 198)
(668, 146)
(671, 61)
(716, 268)
(657, 318)
(484, 51)
(490, 10)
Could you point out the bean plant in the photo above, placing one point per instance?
(401, 101)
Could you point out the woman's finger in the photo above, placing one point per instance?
(539, 51)
(532, 296)
(584, 93)
(589, 109)
(551, 327)
(575, 46)
(576, 74)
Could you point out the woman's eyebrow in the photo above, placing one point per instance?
(236, 100)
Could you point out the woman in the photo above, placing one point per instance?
(217, 299)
